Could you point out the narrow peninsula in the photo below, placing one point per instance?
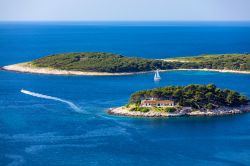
(190, 100)
(99, 63)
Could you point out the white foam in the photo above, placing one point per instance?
(72, 105)
(37, 148)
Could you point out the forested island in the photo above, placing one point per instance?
(237, 62)
(99, 63)
(191, 100)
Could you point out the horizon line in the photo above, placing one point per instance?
(124, 20)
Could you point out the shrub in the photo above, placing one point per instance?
(126, 106)
(142, 109)
(133, 109)
(158, 109)
(170, 109)
(209, 106)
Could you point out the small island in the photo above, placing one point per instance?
(190, 100)
(101, 64)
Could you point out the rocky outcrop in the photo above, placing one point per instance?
(123, 111)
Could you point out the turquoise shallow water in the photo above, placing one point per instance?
(36, 131)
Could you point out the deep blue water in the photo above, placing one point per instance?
(35, 131)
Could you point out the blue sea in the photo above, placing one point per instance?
(38, 131)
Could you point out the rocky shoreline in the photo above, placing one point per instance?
(123, 111)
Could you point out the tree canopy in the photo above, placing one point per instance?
(100, 62)
(113, 63)
(220, 61)
(194, 95)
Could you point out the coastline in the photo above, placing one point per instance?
(28, 68)
(216, 70)
(122, 111)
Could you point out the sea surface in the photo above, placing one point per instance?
(65, 121)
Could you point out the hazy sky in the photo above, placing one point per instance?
(74, 10)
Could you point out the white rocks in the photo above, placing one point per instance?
(215, 112)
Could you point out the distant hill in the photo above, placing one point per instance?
(100, 62)
(239, 62)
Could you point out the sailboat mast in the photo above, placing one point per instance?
(157, 75)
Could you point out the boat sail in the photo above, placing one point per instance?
(157, 76)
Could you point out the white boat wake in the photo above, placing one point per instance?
(72, 105)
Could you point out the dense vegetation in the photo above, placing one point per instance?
(136, 107)
(100, 62)
(195, 96)
(107, 62)
(219, 61)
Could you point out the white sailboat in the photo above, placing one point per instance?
(157, 76)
